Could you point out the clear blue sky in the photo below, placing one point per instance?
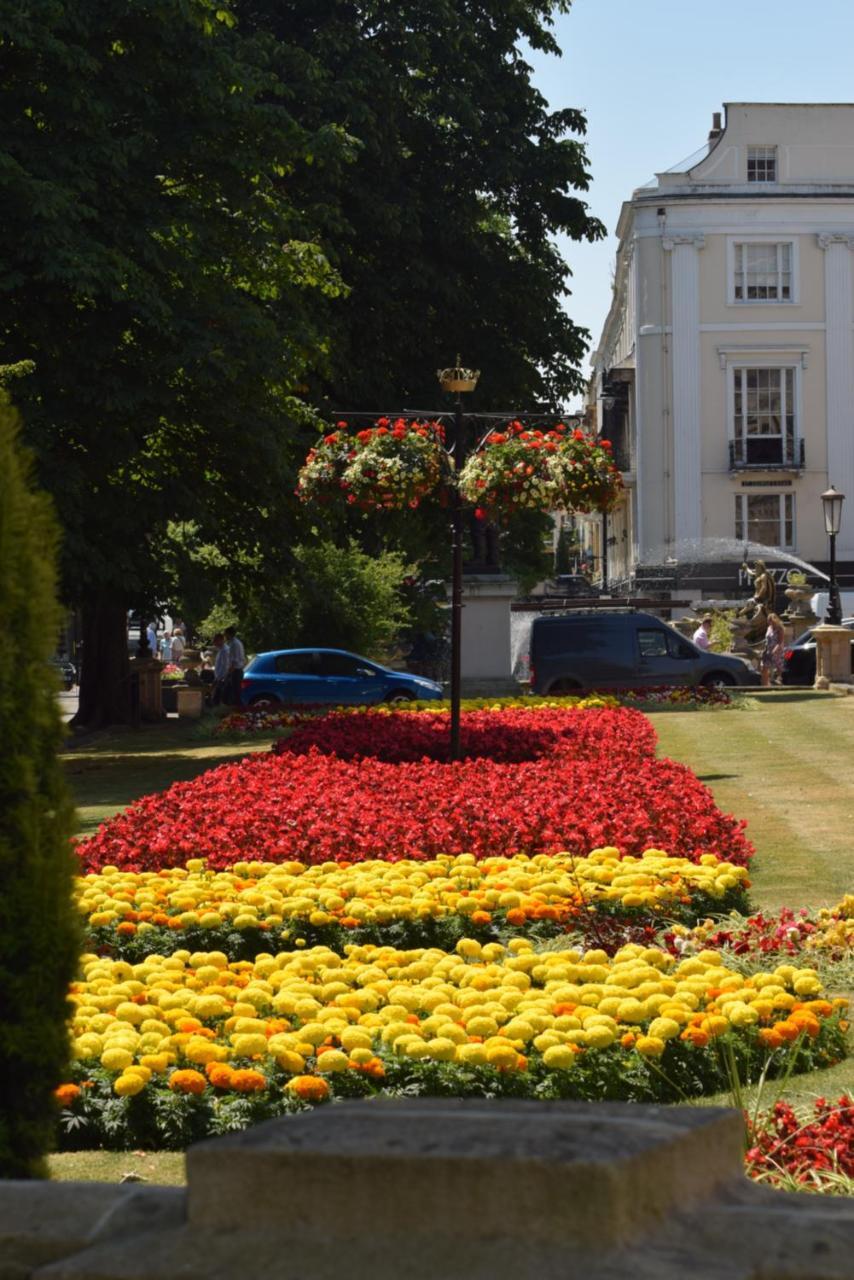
(649, 73)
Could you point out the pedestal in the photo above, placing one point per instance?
(150, 698)
(190, 702)
(833, 656)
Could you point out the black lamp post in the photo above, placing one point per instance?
(459, 381)
(832, 503)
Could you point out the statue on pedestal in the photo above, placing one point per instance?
(764, 595)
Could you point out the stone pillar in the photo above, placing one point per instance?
(686, 475)
(150, 697)
(486, 627)
(839, 316)
(833, 656)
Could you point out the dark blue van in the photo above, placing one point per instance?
(622, 649)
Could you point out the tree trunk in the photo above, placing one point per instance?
(105, 669)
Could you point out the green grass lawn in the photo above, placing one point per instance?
(786, 764)
(108, 770)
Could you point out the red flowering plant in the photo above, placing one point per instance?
(785, 1149)
(527, 469)
(390, 466)
(580, 793)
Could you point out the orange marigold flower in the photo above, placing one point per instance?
(787, 1030)
(127, 928)
(308, 1088)
(480, 917)
(516, 916)
(770, 1038)
(66, 1093)
(219, 1074)
(628, 1040)
(187, 1082)
(695, 1036)
(248, 1081)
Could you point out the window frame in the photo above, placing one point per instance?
(735, 368)
(742, 524)
(735, 243)
(751, 154)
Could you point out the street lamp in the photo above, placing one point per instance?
(832, 502)
(458, 381)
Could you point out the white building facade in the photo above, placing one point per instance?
(725, 372)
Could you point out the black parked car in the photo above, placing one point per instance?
(799, 658)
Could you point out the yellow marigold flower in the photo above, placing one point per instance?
(331, 1061)
(560, 1057)
(650, 1046)
(127, 1085)
(664, 1028)
(116, 1059)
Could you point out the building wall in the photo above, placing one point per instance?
(675, 323)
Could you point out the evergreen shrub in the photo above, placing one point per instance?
(38, 931)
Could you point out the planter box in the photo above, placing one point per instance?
(191, 699)
(169, 694)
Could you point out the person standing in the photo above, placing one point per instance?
(237, 660)
(771, 666)
(166, 649)
(222, 665)
(178, 645)
(151, 637)
(702, 637)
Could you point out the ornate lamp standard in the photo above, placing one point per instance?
(832, 502)
(458, 381)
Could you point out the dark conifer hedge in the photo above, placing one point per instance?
(38, 932)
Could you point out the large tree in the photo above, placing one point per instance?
(156, 270)
(445, 227)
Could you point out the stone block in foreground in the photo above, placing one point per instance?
(444, 1190)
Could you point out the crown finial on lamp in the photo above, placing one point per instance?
(458, 378)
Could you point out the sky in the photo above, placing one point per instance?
(649, 73)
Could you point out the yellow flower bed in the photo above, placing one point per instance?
(318, 1012)
(512, 890)
(834, 927)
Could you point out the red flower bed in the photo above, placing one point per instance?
(506, 737)
(600, 785)
(783, 1144)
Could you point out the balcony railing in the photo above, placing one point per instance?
(766, 453)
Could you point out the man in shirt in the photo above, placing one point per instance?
(237, 659)
(702, 636)
(178, 644)
(222, 666)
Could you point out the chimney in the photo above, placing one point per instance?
(716, 130)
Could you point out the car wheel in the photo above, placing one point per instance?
(264, 702)
(718, 680)
(399, 696)
(563, 688)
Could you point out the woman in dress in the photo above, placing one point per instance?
(772, 653)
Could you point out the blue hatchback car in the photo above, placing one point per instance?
(330, 677)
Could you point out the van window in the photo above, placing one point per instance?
(657, 643)
(588, 637)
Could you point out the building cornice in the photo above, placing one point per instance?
(696, 239)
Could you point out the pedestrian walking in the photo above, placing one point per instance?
(151, 637)
(166, 648)
(237, 662)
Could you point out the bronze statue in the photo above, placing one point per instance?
(764, 590)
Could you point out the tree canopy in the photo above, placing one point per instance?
(224, 220)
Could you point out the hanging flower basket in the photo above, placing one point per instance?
(390, 466)
(522, 469)
(511, 472)
(585, 476)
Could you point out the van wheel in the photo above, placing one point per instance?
(718, 680)
(561, 688)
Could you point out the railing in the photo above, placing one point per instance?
(766, 453)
